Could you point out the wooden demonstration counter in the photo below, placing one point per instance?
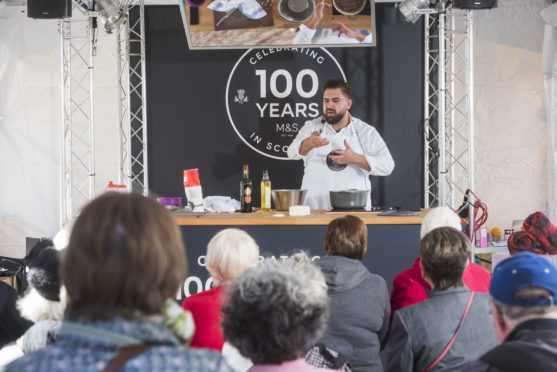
(392, 240)
(317, 217)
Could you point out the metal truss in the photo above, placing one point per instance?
(448, 107)
(132, 100)
(77, 156)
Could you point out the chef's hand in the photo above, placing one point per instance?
(311, 142)
(348, 156)
(317, 15)
(342, 29)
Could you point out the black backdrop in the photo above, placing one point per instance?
(188, 126)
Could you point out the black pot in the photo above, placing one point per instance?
(348, 199)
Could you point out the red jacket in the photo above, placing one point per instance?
(410, 288)
(206, 310)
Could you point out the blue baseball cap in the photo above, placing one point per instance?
(523, 270)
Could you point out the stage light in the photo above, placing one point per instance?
(111, 16)
(410, 9)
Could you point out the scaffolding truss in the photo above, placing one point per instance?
(448, 107)
(77, 147)
(77, 157)
(133, 101)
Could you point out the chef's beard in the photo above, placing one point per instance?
(335, 118)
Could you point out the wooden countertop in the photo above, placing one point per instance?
(317, 217)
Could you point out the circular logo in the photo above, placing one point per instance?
(271, 93)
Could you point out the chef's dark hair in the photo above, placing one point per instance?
(338, 83)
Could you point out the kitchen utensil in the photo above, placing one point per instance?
(296, 10)
(348, 199)
(283, 199)
(333, 165)
(349, 7)
(226, 16)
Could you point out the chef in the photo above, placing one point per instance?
(340, 152)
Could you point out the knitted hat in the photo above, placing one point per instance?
(43, 274)
(523, 270)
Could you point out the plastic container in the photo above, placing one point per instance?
(172, 201)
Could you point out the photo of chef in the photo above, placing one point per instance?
(339, 151)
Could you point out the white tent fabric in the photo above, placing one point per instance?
(549, 69)
(510, 128)
(30, 119)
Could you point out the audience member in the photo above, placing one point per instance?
(12, 325)
(124, 259)
(229, 252)
(44, 302)
(523, 292)
(452, 326)
(358, 299)
(410, 288)
(275, 312)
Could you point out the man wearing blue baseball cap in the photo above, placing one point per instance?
(523, 295)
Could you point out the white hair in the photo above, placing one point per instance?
(35, 307)
(439, 217)
(230, 252)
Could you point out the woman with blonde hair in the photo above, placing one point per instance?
(229, 253)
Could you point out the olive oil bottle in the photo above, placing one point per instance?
(265, 192)
(245, 191)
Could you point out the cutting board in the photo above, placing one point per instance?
(239, 21)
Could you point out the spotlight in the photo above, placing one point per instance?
(111, 16)
(410, 9)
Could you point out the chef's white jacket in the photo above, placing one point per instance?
(306, 35)
(318, 179)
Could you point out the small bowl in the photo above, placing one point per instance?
(175, 201)
(285, 198)
(296, 10)
(338, 6)
(196, 3)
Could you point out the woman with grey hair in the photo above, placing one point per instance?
(275, 313)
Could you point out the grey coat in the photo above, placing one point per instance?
(421, 331)
(360, 311)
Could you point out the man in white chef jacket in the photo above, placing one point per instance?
(340, 152)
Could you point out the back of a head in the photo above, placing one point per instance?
(346, 236)
(230, 252)
(445, 252)
(524, 285)
(43, 274)
(439, 217)
(125, 257)
(44, 299)
(276, 311)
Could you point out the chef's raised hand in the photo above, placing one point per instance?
(311, 142)
(348, 156)
(317, 15)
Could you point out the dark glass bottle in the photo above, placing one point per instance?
(246, 188)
